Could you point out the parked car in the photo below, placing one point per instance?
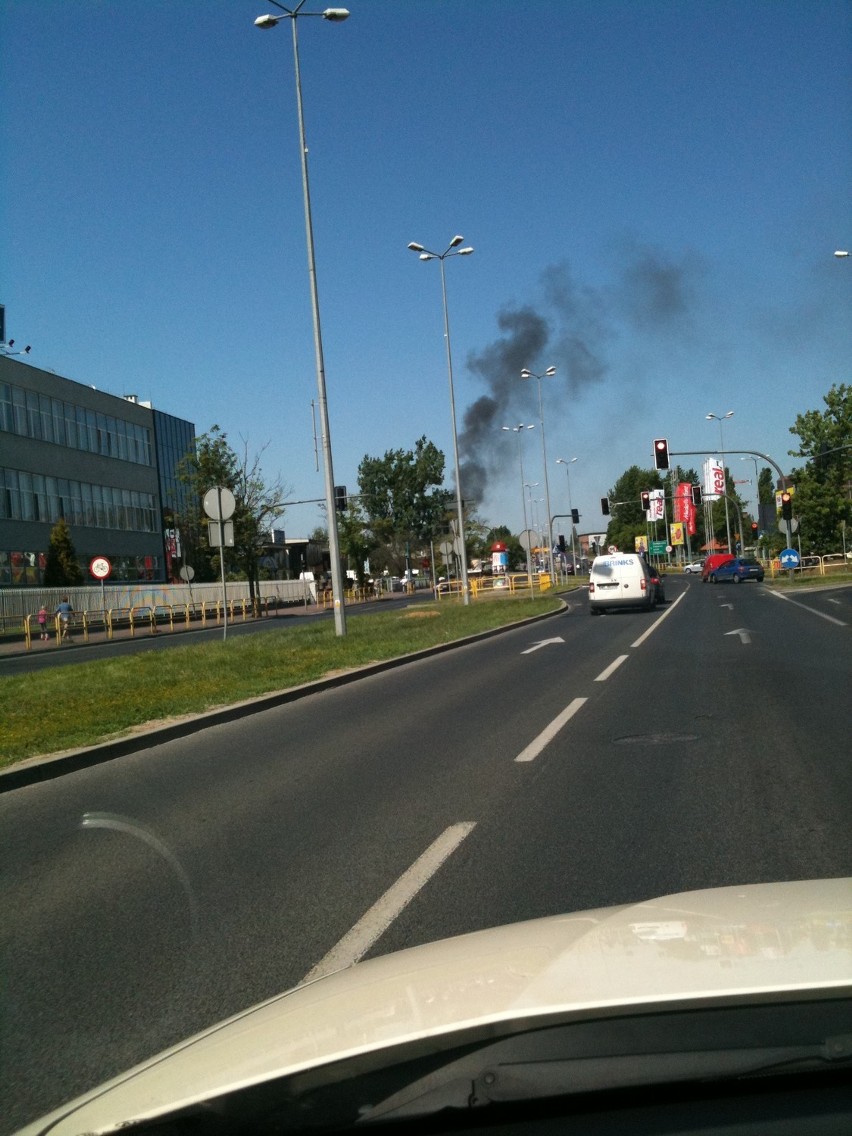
(714, 561)
(694, 566)
(657, 584)
(739, 569)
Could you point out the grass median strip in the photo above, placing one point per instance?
(81, 704)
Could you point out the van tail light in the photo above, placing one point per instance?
(644, 584)
(591, 587)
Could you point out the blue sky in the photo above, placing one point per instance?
(654, 190)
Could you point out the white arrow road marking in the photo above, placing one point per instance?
(542, 643)
(743, 634)
(731, 606)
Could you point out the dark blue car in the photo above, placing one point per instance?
(738, 569)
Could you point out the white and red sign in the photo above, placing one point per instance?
(658, 505)
(714, 479)
(684, 510)
(100, 567)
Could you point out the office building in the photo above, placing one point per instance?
(106, 463)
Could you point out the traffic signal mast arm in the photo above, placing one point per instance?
(752, 453)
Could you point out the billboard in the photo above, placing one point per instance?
(714, 479)
(684, 510)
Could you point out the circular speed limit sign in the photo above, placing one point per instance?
(100, 567)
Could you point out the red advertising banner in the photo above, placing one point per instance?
(684, 510)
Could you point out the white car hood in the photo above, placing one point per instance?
(722, 945)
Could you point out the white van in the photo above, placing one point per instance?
(621, 579)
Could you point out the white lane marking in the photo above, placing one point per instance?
(549, 732)
(812, 610)
(613, 666)
(542, 643)
(357, 941)
(657, 622)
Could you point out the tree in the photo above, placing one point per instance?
(627, 519)
(62, 568)
(402, 500)
(823, 486)
(258, 504)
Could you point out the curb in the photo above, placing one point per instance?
(34, 770)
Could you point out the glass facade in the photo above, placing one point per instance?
(30, 414)
(174, 440)
(37, 497)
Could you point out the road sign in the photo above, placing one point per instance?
(219, 503)
(789, 558)
(220, 534)
(657, 547)
(100, 567)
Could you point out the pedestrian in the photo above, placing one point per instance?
(64, 611)
(42, 621)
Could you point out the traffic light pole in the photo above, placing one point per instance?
(752, 453)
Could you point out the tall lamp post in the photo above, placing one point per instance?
(451, 250)
(720, 419)
(334, 15)
(568, 464)
(518, 430)
(549, 373)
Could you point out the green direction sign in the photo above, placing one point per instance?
(657, 548)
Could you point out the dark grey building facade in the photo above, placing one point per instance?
(105, 463)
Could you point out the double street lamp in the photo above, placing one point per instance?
(451, 250)
(518, 430)
(549, 373)
(720, 419)
(334, 15)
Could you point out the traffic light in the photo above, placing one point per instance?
(645, 498)
(786, 506)
(340, 498)
(575, 516)
(661, 453)
(605, 506)
(561, 543)
(696, 495)
(755, 528)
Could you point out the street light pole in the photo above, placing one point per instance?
(451, 250)
(334, 15)
(517, 430)
(568, 464)
(720, 419)
(527, 374)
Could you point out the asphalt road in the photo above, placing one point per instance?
(702, 745)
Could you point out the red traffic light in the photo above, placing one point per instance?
(661, 453)
(645, 498)
(787, 506)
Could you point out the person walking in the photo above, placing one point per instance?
(64, 611)
(42, 621)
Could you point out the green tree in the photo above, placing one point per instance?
(403, 504)
(823, 486)
(357, 542)
(62, 568)
(627, 518)
(258, 505)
